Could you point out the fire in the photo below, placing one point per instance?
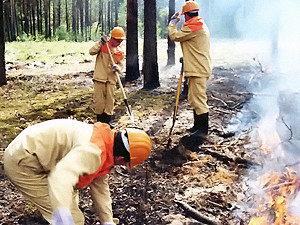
(279, 190)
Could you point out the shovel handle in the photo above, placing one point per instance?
(178, 91)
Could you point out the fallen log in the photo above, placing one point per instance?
(190, 211)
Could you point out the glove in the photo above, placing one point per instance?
(109, 223)
(103, 41)
(175, 18)
(62, 216)
(115, 68)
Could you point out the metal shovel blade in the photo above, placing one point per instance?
(129, 111)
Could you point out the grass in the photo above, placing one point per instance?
(67, 52)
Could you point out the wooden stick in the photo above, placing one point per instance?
(194, 213)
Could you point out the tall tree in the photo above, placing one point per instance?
(74, 19)
(116, 12)
(67, 16)
(132, 54)
(87, 19)
(2, 47)
(151, 75)
(13, 20)
(171, 44)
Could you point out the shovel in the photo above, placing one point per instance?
(177, 96)
(129, 111)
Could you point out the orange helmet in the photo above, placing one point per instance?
(190, 6)
(118, 33)
(139, 146)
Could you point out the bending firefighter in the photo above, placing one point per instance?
(50, 161)
(194, 39)
(104, 77)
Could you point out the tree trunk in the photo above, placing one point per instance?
(54, 14)
(25, 15)
(67, 16)
(13, 20)
(39, 16)
(116, 12)
(132, 56)
(87, 16)
(2, 47)
(6, 19)
(74, 19)
(108, 16)
(80, 14)
(33, 7)
(171, 44)
(58, 12)
(49, 17)
(46, 19)
(151, 76)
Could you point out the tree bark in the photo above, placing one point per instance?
(171, 44)
(116, 12)
(132, 56)
(2, 47)
(13, 20)
(151, 75)
(67, 16)
(87, 16)
(74, 19)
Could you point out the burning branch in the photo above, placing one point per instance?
(289, 128)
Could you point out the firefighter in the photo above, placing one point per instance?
(104, 77)
(194, 39)
(50, 161)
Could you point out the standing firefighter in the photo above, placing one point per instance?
(194, 39)
(104, 77)
(48, 162)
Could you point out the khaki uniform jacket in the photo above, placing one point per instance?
(195, 44)
(103, 70)
(64, 151)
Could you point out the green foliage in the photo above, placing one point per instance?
(122, 14)
(162, 23)
(28, 37)
(46, 51)
(96, 30)
(62, 34)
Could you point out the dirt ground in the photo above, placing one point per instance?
(160, 190)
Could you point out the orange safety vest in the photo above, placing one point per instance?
(118, 54)
(103, 137)
(194, 23)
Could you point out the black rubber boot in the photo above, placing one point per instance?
(196, 125)
(197, 138)
(107, 119)
(185, 91)
(100, 118)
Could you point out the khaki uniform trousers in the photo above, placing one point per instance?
(26, 173)
(104, 97)
(197, 97)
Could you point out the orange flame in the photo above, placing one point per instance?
(273, 208)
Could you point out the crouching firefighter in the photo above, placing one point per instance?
(194, 39)
(49, 161)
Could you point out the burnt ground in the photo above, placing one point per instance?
(157, 191)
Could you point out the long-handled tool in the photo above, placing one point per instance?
(177, 96)
(129, 111)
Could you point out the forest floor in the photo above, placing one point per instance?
(210, 180)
